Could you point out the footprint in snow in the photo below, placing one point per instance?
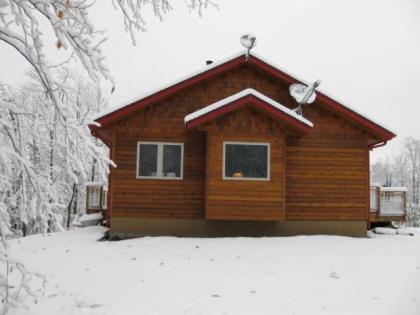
(253, 292)
(197, 246)
(161, 264)
(215, 295)
(334, 275)
(134, 258)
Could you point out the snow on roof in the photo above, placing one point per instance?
(214, 65)
(322, 91)
(241, 94)
(158, 89)
(393, 189)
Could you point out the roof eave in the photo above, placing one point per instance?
(371, 127)
(249, 99)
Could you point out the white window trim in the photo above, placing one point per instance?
(160, 160)
(267, 144)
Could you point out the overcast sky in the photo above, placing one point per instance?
(367, 53)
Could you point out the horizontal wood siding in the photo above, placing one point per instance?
(244, 199)
(326, 171)
(154, 198)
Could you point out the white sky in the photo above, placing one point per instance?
(366, 52)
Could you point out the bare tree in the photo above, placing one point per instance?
(402, 170)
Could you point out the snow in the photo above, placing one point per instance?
(383, 230)
(393, 189)
(168, 275)
(137, 98)
(90, 217)
(242, 94)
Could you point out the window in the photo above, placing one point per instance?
(160, 160)
(243, 160)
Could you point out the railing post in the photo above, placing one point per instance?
(100, 198)
(378, 199)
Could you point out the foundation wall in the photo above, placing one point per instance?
(128, 227)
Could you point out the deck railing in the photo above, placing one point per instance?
(96, 197)
(388, 201)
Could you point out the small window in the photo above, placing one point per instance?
(245, 161)
(160, 160)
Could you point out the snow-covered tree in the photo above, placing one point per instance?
(47, 151)
(44, 162)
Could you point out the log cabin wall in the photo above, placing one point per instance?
(325, 170)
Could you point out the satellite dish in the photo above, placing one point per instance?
(249, 41)
(303, 94)
(299, 91)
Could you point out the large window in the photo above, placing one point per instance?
(245, 161)
(160, 160)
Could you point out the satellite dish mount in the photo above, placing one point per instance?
(249, 41)
(303, 94)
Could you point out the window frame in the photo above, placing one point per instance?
(159, 166)
(267, 144)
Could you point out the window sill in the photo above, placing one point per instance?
(156, 177)
(247, 179)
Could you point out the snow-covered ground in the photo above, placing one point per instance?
(167, 275)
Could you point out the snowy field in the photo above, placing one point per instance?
(169, 276)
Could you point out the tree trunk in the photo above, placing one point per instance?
(69, 206)
(76, 199)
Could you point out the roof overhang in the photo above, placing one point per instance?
(371, 127)
(249, 97)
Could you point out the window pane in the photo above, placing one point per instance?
(148, 160)
(246, 161)
(171, 166)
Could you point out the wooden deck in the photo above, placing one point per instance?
(387, 203)
(96, 197)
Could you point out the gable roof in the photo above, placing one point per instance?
(248, 97)
(373, 128)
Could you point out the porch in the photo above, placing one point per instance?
(387, 203)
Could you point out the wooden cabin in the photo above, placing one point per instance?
(223, 153)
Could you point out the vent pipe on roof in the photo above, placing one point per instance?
(209, 62)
